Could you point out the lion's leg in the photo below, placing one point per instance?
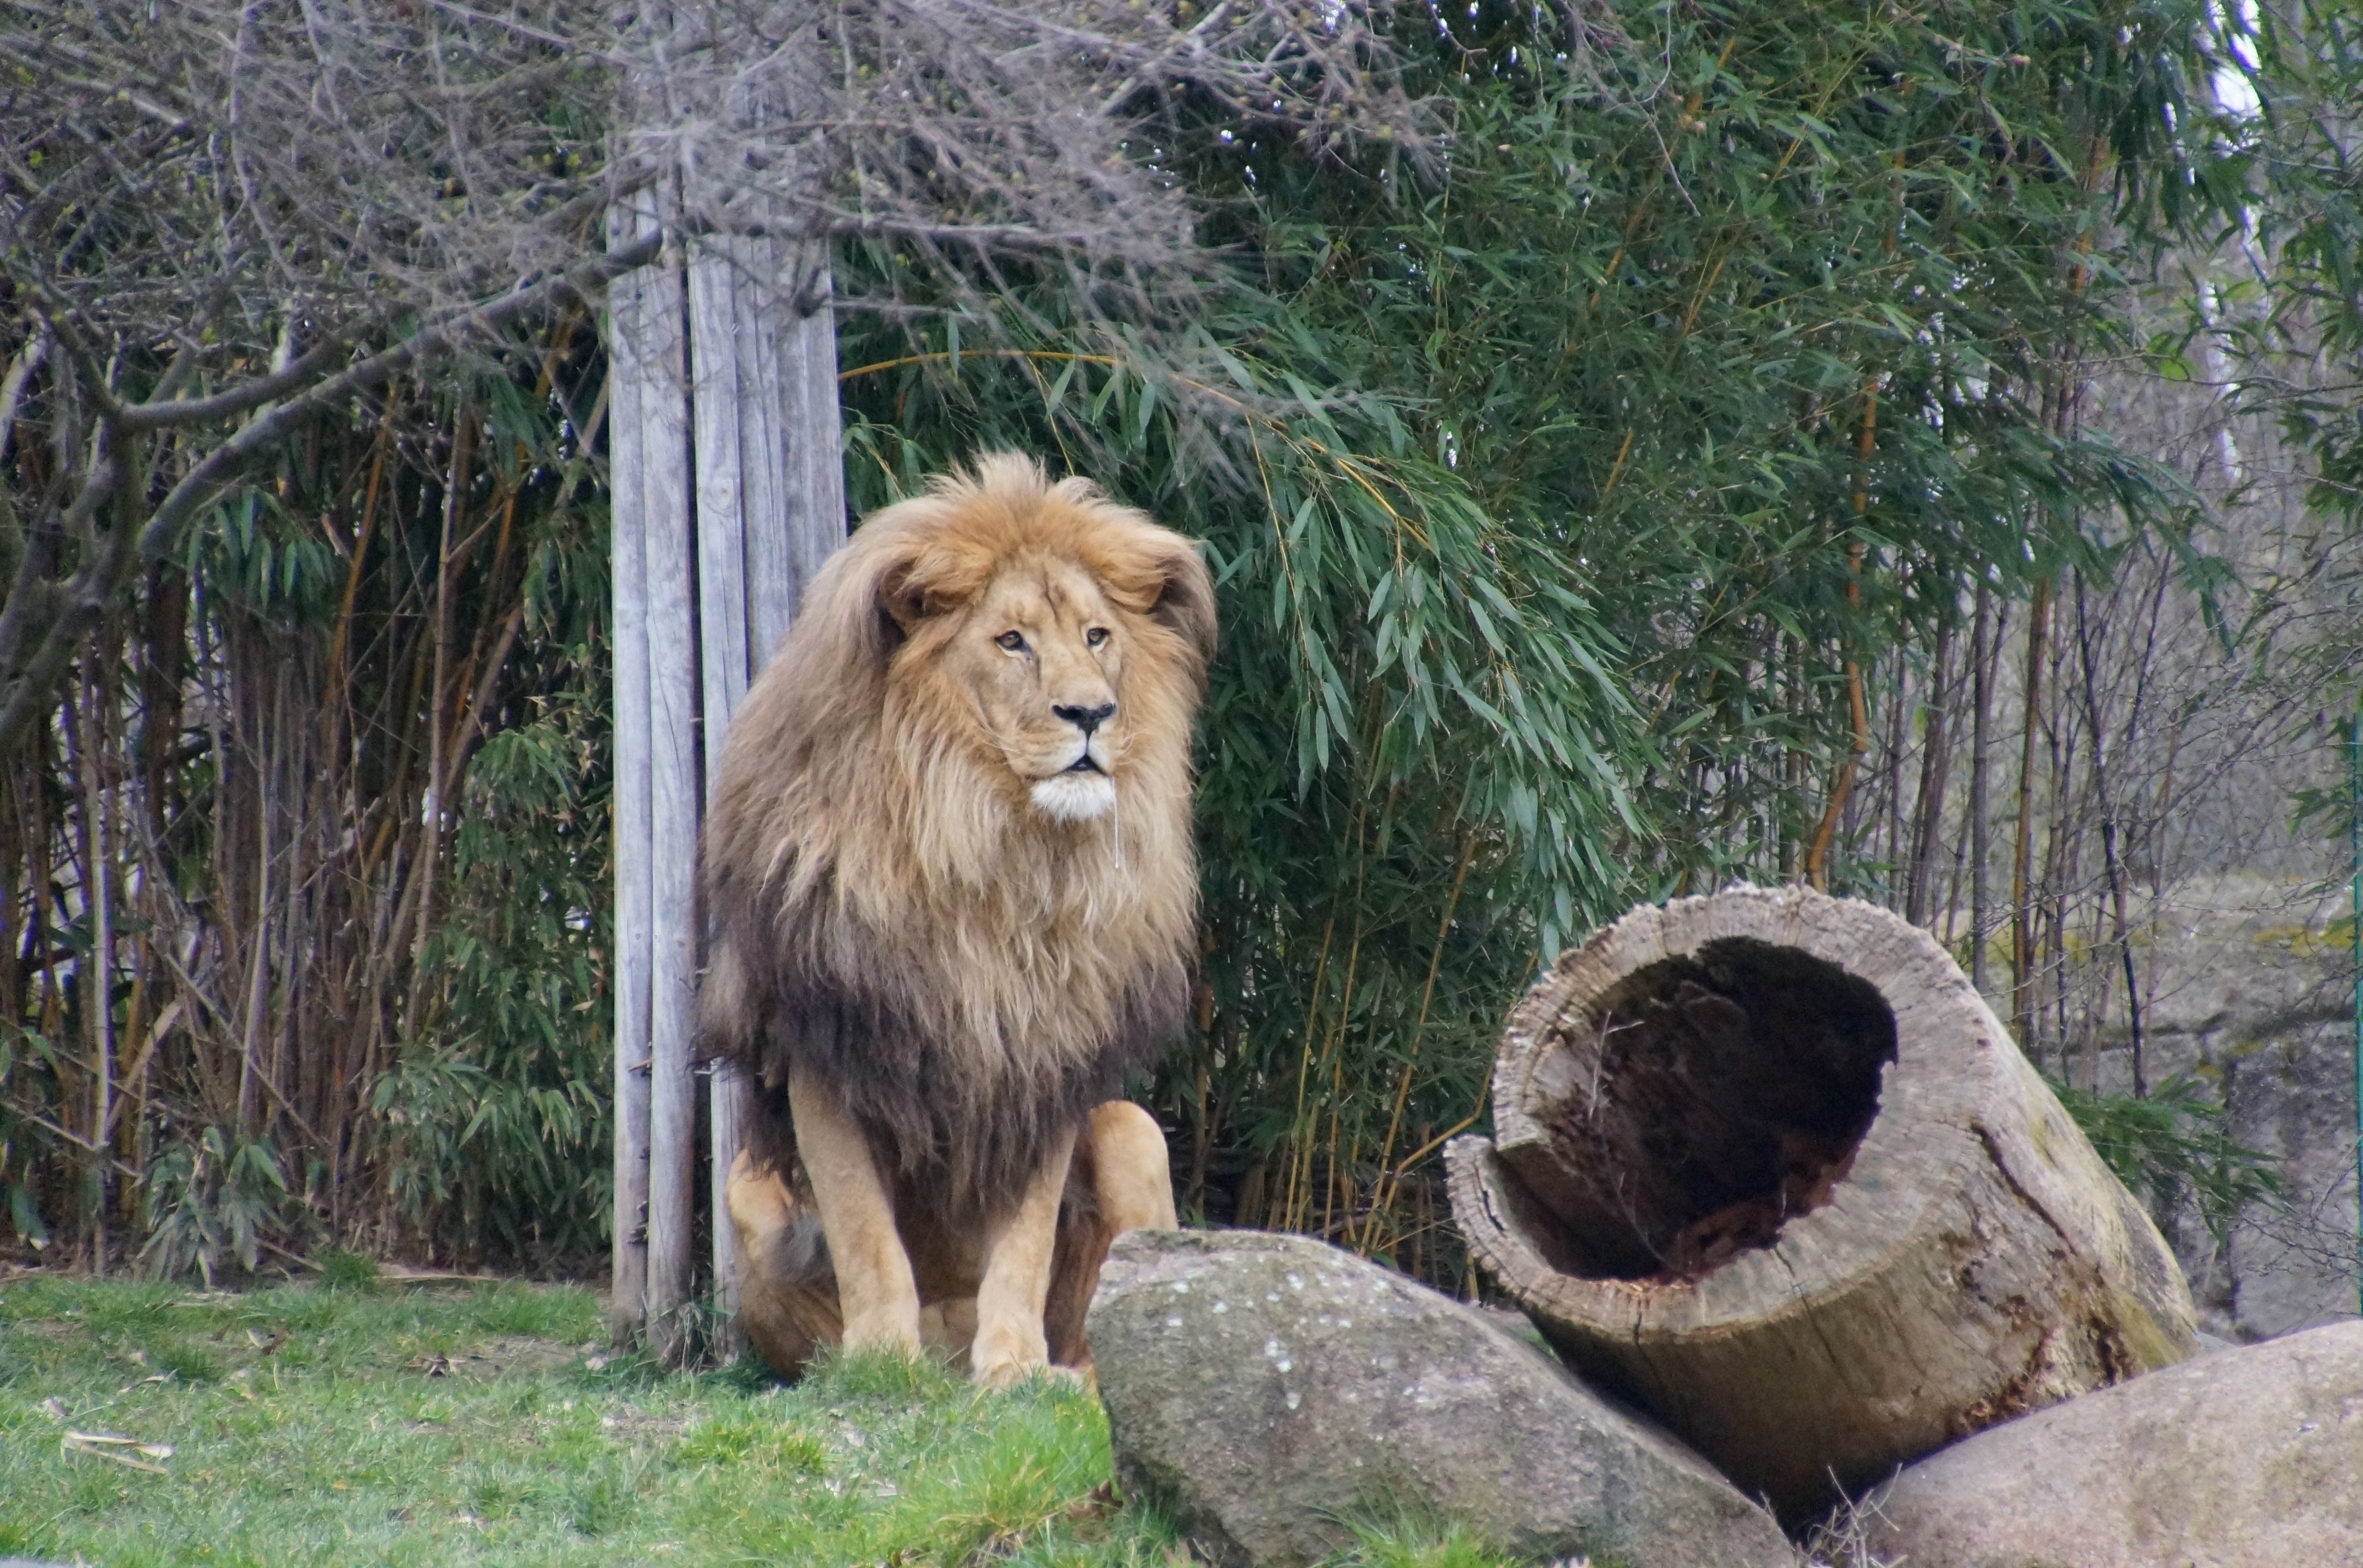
(878, 1300)
(787, 1302)
(1131, 1175)
(1121, 1181)
(1009, 1341)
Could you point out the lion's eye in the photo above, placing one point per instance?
(1097, 637)
(1012, 641)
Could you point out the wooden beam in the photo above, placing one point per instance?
(626, 355)
(771, 509)
(669, 570)
(801, 453)
(721, 390)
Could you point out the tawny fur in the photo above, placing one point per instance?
(896, 912)
(1119, 1181)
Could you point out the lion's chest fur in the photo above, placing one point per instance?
(968, 1012)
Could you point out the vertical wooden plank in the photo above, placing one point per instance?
(770, 509)
(721, 386)
(718, 393)
(627, 359)
(795, 443)
(669, 570)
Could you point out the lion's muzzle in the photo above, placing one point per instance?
(1077, 795)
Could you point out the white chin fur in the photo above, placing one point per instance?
(1074, 797)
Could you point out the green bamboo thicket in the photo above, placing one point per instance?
(259, 991)
(1717, 458)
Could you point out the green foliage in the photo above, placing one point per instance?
(1558, 492)
(499, 1120)
(340, 1269)
(1774, 355)
(216, 1198)
(2175, 1147)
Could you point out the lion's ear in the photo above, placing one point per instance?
(902, 597)
(864, 599)
(1186, 602)
(919, 576)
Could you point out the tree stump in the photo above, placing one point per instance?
(1766, 1165)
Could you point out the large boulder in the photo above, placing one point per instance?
(1266, 1389)
(2244, 1459)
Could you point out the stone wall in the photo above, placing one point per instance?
(2249, 983)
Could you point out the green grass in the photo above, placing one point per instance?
(361, 1424)
(441, 1425)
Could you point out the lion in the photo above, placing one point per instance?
(951, 892)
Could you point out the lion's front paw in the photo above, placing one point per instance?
(891, 1330)
(1006, 1358)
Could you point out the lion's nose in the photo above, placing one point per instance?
(1084, 719)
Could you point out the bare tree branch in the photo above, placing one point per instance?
(188, 192)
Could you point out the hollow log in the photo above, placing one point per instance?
(1766, 1165)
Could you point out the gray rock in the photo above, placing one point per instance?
(2246, 1458)
(1266, 1388)
(2248, 984)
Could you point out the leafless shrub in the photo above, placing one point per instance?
(220, 219)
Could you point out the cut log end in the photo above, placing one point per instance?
(1768, 1165)
(1728, 1091)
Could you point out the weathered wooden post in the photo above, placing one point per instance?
(630, 372)
(727, 493)
(1766, 1163)
(771, 507)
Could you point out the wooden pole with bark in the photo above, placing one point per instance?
(1766, 1165)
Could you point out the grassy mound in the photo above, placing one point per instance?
(381, 1423)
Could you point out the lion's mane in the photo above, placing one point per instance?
(971, 976)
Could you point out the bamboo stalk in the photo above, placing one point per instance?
(2022, 931)
(87, 758)
(432, 814)
(1936, 765)
(1858, 722)
(258, 975)
(1379, 1194)
(2123, 936)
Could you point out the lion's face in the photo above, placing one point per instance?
(1041, 654)
(1060, 638)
